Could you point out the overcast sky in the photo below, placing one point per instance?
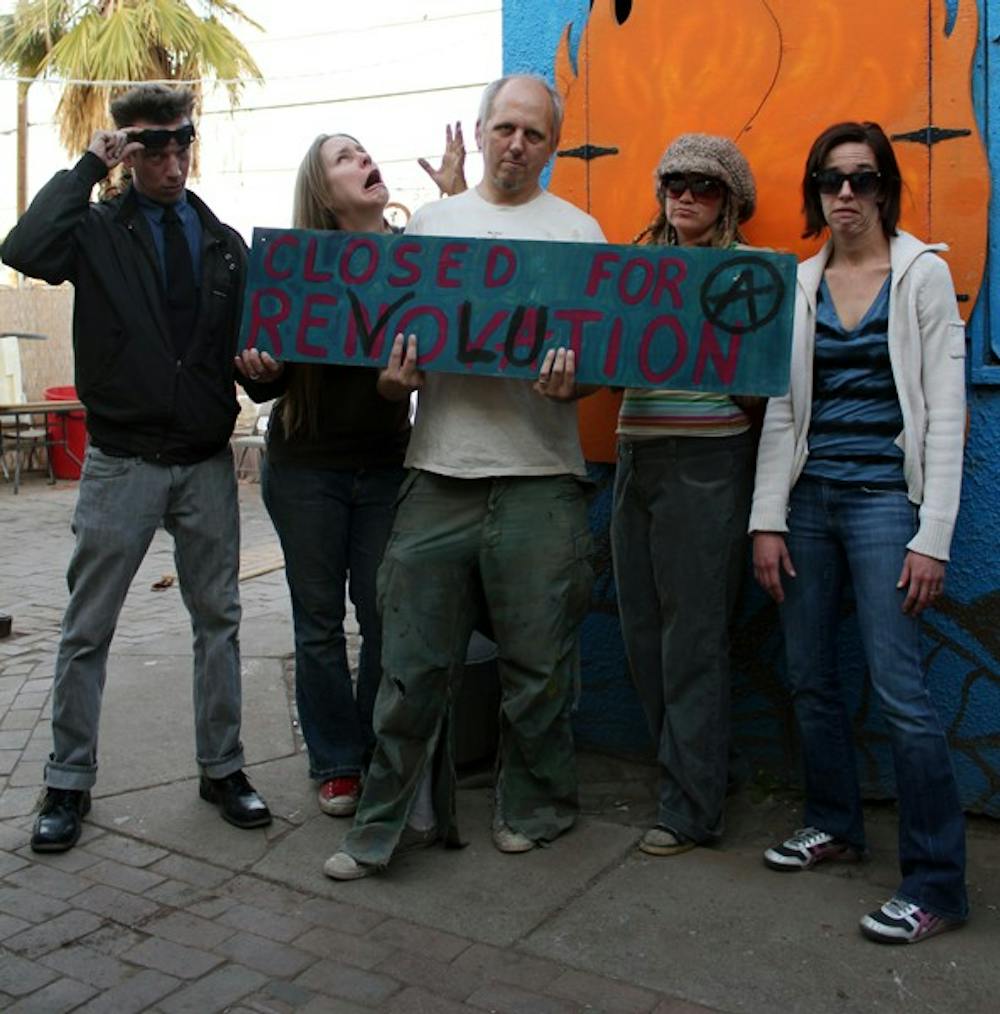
(391, 72)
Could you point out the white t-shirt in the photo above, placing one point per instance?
(475, 427)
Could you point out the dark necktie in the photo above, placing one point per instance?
(182, 295)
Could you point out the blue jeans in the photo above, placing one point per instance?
(121, 503)
(333, 525)
(838, 533)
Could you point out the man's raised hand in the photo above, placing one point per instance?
(111, 146)
(450, 177)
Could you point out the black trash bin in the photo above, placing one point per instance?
(477, 705)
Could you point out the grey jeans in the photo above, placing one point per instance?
(120, 505)
(678, 538)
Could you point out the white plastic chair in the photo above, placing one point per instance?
(248, 445)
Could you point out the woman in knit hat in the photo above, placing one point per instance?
(678, 531)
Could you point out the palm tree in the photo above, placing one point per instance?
(26, 37)
(119, 42)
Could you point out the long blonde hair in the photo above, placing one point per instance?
(299, 405)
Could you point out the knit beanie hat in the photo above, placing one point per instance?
(714, 156)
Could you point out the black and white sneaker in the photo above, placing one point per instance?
(807, 847)
(902, 922)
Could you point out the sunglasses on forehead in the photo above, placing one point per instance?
(157, 137)
(701, 187)
(830, 181)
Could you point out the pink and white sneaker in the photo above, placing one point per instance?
(807, 847)
(902, 922)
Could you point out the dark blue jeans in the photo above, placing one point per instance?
(333, 525)
(838, 533)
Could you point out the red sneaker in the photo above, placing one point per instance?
(339, 796)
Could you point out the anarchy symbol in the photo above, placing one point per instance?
(742, 294)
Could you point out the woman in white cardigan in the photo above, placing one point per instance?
(858, 479)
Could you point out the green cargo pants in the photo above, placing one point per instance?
(523, 544)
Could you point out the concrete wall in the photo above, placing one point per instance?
(947, 44)
(40, 309)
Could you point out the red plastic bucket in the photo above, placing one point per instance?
(66, 460)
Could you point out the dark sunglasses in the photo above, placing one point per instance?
(830, 181)
(703, 188)
(154, 138)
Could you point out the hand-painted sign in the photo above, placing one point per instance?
(635, 316)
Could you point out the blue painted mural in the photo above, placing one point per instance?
(623, 108)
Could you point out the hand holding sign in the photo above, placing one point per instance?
(258, 366)
(557, 379)
(401, 378)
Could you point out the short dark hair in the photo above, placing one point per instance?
(890, 185)
(154, 103)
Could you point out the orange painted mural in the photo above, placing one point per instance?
(771, 74)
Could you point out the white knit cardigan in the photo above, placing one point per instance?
(927, 354)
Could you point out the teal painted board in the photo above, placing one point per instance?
(635, 316)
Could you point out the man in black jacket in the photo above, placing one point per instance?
(158, 283)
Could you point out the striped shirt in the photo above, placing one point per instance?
(647, 413)
(855, 414)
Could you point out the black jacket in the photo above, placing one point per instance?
(140, 398)
(356, 427)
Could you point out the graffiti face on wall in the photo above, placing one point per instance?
(771, 74)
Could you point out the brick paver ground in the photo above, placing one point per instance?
(144, 919)
(119, 925)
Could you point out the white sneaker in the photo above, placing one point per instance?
(506, 839)
(341, 866)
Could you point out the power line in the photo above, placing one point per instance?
(377, 28)
(120, 83)
(267, 79)
(382, 162)
(304, 104)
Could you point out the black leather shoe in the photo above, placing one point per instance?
(236, 799)
(60, 820)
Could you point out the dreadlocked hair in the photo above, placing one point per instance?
(660, 232)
